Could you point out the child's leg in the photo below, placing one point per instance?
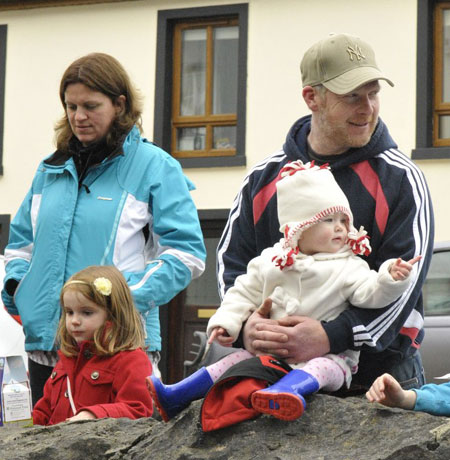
(216, 370)
(285, 399)
(172, 399)
(327, 372)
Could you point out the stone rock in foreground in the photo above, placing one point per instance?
(330, 429)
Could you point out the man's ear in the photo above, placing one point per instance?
(311, 97)
(120, 104)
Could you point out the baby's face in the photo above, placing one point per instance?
(328, 235)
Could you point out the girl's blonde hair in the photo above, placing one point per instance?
(102, 73)
(123, 328)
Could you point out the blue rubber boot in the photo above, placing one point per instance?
(172, 399)
(284, 399)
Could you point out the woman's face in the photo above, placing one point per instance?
(90, 113)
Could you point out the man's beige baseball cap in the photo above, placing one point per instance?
(341, 63)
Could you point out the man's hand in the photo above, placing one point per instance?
(293, 338)
(306, 339)
(260, 316)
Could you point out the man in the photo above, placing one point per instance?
(388, 196)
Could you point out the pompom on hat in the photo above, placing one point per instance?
(306, 194)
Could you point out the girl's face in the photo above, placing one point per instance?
(329, 235)
(90, 113)
(83, 317)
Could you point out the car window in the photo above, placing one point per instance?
(436, 289)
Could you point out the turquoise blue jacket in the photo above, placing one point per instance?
(61, 229)
(434, 399)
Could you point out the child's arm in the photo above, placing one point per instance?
(400, 269)
(386, 390)
(83, 415)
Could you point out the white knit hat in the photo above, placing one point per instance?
(306, 194)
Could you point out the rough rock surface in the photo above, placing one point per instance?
(330, 429)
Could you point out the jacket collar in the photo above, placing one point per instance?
(296, 146)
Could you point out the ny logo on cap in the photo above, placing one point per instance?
(355, 52)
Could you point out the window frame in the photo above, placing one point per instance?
(3, 38)
(162, 128)
(5, 220)
(209, 120)
(10, 5)
(425, 150)
(439, 107)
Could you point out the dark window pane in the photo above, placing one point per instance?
(191, 138)
(203, 291)
(446, 58)
(193, 72)
(226, 41)
(444, 127)
(224, 137)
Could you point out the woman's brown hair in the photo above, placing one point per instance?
(123, 328)
(102, 73)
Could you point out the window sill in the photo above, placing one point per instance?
(213, 162)
(430, 153)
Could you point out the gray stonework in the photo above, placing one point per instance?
(330, 429)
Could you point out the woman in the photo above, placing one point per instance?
(107, 196)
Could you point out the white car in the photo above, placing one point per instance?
(435, 348)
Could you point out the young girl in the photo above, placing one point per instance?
(313, 271)
(102, 367)
(431, 398)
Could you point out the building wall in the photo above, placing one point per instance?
(42, 42)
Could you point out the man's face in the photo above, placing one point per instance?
(347, 120)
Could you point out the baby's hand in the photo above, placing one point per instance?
(400, 269)
(83, 415)
(221, 335)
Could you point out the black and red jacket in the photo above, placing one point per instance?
(388, 195)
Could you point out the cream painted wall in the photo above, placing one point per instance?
(42, 42)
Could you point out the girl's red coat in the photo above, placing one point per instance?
(107, 386)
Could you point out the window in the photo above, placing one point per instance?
(441, 112)
(433, 80)
(3, 29)
(200, 97)
(205, 89)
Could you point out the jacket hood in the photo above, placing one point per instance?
(296, 148)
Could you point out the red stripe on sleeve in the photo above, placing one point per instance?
(411, 332)
(372, 184)
(262, 198)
